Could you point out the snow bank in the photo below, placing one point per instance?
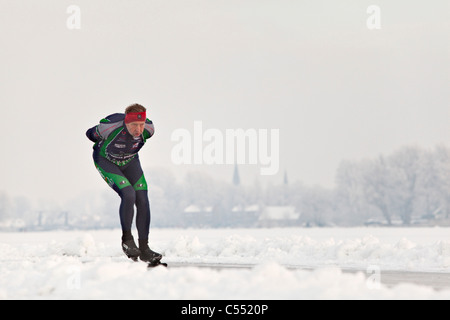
(294, 250)
(65, 278)
(90, 265)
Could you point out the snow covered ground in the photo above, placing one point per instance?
(292, 263)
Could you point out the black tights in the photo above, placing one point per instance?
(129, 183)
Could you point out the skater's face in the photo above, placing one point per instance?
(136, 128)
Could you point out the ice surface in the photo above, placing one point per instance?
(90, 264)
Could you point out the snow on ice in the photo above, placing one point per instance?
(90, 264)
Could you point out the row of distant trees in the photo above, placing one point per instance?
(410, 185)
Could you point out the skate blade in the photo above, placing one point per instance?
(155, 264)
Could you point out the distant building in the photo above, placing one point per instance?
(198, 216)
(279, 216)
(285, 180)
(236, 178)
(245, 216)
(197, 209)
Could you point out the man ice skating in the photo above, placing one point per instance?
(118, 139)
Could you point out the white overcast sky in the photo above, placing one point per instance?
(312, 69)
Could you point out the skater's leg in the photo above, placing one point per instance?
(116, 179)
(143, 214)
(126, 209)
(143, 226)
(128, 199)
(136, 177)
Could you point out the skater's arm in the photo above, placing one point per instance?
(92, 134)
(149, 129)
(105, 127)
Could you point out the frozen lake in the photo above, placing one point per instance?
(292, 263)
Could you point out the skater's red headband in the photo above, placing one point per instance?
(135, 116)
